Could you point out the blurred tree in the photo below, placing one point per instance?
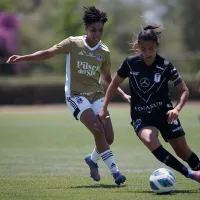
(191, 24)
(182, 24)
(126, 23)
(70, 22)
(6, 5)
(52, 21)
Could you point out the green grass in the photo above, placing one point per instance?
(42, 152)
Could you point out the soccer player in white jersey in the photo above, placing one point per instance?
(87, 59)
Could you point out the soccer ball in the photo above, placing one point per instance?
(162, 181)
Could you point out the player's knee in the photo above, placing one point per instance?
(150, 143)
(97, 130)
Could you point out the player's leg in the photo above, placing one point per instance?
(183, 151)
(148, 134)
(108, 129)
(90, 120)
(174, 134)
(107, 126)
(77, 105)
(83, 111)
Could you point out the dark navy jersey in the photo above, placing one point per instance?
(149, 84)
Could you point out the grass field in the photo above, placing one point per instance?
(42, 151)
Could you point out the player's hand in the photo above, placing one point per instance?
(103, 115)
(15, 58)
(127, 98)
(172, 115)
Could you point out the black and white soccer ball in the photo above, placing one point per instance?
(162, 181)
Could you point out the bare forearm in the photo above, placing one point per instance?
(109, 94)
(37, 56)
(182, 100)
(118, 90)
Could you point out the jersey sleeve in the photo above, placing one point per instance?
(106, 65)
(173, 74)
(63, 47)
(123, 71)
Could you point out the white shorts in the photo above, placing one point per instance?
(78, 104)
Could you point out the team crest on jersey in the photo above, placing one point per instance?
(99, 57)
(157, 77)
(79, 101)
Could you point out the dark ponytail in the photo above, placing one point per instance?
(151, 32)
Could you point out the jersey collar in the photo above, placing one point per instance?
(152, 64)
(90, 48)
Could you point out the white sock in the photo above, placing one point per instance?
(108, 158)
(95, 156)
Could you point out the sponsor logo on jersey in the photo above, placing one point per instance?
(87, 69)
(113, 165)
(148, 107)
(134, 73)
(81, 53)
(177, 129)
(145, 82)
(158, 67)
(86, 93)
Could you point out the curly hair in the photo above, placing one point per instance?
(93, 15)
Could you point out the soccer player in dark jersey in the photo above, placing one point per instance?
(151, 107)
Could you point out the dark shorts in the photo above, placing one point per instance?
(159, 120)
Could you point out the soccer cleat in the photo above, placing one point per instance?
(94, 172)
(119, 178)
(194, 175)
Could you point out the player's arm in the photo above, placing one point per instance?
(183, 92)
(37, 56)
(107, 78)
(183, 95)
(119, 77)
(112, 88)
(42, 54)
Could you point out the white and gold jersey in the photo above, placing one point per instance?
(83, 67)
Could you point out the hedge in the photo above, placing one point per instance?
(35, 93)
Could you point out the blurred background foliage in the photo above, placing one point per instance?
(42, 23)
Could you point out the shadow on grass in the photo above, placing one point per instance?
(186, 191)
(98, 186)
(172, 193)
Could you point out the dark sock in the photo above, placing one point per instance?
(194, 162)
(165, 157)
